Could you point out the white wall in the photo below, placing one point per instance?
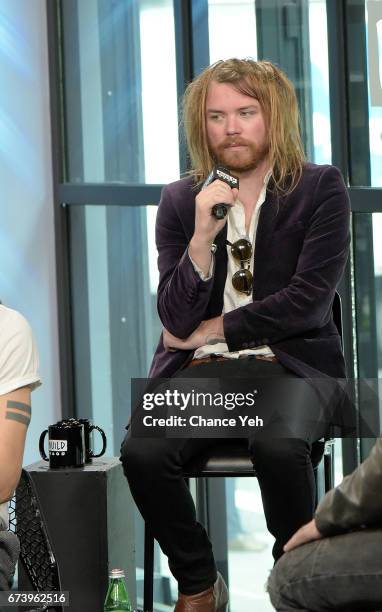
(27, 260)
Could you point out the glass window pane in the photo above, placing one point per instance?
(120, 97)
(115, 322)
(225, 19)
(318, 45)
(159, 94)
(249, 546)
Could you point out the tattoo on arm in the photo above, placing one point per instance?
(19, 406)
(18, 411)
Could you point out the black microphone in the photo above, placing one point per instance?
(222, 173)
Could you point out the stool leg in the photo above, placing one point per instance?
(148, 570)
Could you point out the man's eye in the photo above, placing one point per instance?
(247, 113)
(215, 117)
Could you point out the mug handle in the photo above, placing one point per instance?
(91, 453)
(41, 445)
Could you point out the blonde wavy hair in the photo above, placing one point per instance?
(274, 91)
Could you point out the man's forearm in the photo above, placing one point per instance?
(208, 332)
(200, 253)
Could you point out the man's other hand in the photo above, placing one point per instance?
(305, 534)
(208, 332)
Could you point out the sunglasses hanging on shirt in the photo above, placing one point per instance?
(241, 251)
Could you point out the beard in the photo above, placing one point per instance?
(241, 160)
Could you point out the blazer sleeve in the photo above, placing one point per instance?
(183, 295)
(305, 302)
(357, 501)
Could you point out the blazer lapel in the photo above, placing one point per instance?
(268, 213)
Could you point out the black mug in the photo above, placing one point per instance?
(66, 444)
(88, 428)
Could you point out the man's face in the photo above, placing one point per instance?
(236, 131)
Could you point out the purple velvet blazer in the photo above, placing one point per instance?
(301, 249)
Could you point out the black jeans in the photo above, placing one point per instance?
(154, 469)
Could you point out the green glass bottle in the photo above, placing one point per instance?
(117, 598)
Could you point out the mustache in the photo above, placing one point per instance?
(232, 140)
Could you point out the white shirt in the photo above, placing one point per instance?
(19, 361)
(18, 364)
(234, 299)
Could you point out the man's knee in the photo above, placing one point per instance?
(129, 452)
(291, 570)
(275, 582)
(285, 453)
(145, 456)
(136, 454)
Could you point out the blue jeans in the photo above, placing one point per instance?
(338, 573)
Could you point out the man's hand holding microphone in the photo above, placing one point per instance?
(219, 192)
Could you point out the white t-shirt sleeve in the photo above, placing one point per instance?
(19, 363)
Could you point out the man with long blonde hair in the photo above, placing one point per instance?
(245, 295)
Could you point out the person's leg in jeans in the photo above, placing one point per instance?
(154, 470)
(338, 573)
(282, 460)
(285, 474)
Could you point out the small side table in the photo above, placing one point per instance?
(89, 516)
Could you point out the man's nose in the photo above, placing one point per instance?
(232, 125)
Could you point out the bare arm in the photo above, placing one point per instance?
(15, 415)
